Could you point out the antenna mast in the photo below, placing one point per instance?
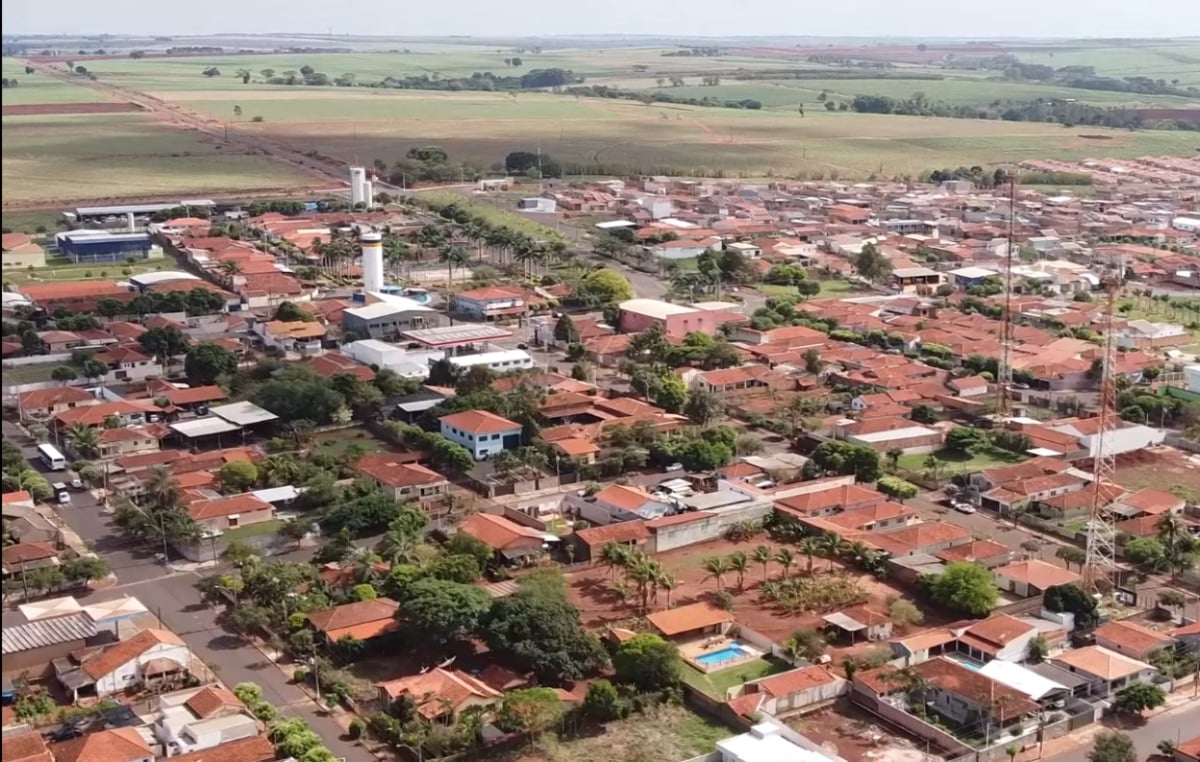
(1100, 567)
(1004, 379)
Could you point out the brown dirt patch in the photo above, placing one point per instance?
(44, 109)
(591, 590)
(1159, 468)
(856, 736)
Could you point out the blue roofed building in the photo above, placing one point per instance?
(103, 247)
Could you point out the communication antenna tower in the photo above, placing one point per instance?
(1004, 379)
(1100, 566)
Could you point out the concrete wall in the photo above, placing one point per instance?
(703, 530)
(908, 722)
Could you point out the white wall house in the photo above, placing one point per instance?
(149, 652)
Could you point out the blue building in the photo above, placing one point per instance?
(102, 247)
(484, 434)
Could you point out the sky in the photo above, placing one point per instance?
(708, 18)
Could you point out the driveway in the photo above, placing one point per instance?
(174, 599)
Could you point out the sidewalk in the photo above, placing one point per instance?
(1075, 742)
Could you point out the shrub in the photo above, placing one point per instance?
(358, 727)
(300, 676)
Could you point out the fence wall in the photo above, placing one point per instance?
(956, 749)
(57, 359)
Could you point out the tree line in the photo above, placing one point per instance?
(1068, 114)
(658, 96)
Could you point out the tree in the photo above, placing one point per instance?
(84, 569)
(1072, 599)
(84, 439)
(164, 343)
(648, 663)
(896, 488)
(237, 476)
(604, 287)
(92, 368)
(529, 710)
(805, 644)
(904, 612)
(63, 374)
(602, 702)
(1038, 649)
(702, 407)
(1112, 746)
(464, 544)
(893, 456)
(762, 556)
(206, 362)
(295, 529)
(565, 330)
(290, 312)
(965, 587)
(715, 568)
(871, 264)
(672, 394)
(962, 439)
(544, 634)
(443, 611)
(739, 564)
(786, 559)
(1136, 697)
(841, 457)
(1069, 554)
(1146, 552)
(456, 568)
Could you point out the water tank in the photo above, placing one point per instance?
(358, 178)
(372, 261)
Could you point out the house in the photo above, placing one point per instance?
(490, 303)
(404, 481)
(1148, 502)
(126, 413)
(298, 336)
(1032, 577)
(127, 364)
(115, 443)
(891, 433)
(860, 623)
(965, 697)
(80, 297)
(1132, 639)
(743, 380)
(111, 745)
(675, 320)
(873, 518)
(1187, 751)
(987, 553)
(333, 364)
(201, 718)
(24, 746)
(591, 541)
(47, 403)
(829, 501)
(510, 541)
(1105, 671)
(440, 695)
(149, 657)
(793, 690)
(255, 749)
(58, 342)
(220, 514)
(484, 434)
(693, 620)
(25, 524)
(1000, 636)
(926, 537)
(19, 252)
(360, 620)
(620, 502)
(192, 399)
(918, 280)
(26, 556)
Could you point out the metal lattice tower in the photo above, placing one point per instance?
(1004, 379)
(1100, 566)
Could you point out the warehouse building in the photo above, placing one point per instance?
(102, 247)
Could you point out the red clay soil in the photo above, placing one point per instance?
(1182, 114)
(43, 109)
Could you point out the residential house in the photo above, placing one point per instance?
(404, 481)
(22, 557)
(201, 718)
(491, 303)
(220, 514)
(484, 434)
(75, 296)
(916, 280)
(59, 342)
(791, 691)
(926, 537)
(26, 524)
(590, 542)
(41, 404)
(125, 413)
(873, 518)
(1148, 502)
(149, 657)
(691, 621)
(189, 399)
(333, 364)
(25, 745)
(128, 364)
(891, 433)
(110, 745)
(440, 695)
(619, 502)
(986, 553)
(1105, 671)
(255, 749)
(360, 620)
(19, 252)
(1188, 637)
(967, 698)
(860, 623)
(741, 381)
(510, 541)
(115, 443)
(298, 336)
(1000, 636)
(1187, 751)
(675, 320)
(1132, 639)
(829, 501)
(1032, 577)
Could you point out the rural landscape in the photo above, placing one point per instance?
(598, 397)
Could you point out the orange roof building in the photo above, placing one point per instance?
(695, 619)
(440, 693)
(361, 620)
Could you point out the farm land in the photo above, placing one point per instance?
(57, 156)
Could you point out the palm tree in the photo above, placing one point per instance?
(231, 267)
(762, 555)
(613, 555)
(832, 546)
(666, 582)
(363, 561)
(739, 563)
(785, 558)
(452, 255)
(810, 547)
(163, 488)
(715, 567)
(893, 456)
(84, 439)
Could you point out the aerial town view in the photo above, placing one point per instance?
(646, 384)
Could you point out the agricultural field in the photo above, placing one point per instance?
(48, 158)
(39, 88)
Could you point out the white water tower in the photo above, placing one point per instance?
(372, 261)
(358, 179)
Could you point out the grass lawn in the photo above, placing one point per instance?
(29, 221)
(662, 733)
(829, 288)
(1162, 312)
(438, 199)
(254, 530)
(957, 463)
(66, 270)
(716, 684)
(337, 442)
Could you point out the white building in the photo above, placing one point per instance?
(537, 204)
(772, 741)
(408, 363)
(502, 361)
(201, 718)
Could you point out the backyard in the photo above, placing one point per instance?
(856, 736)
(718, 683)
(66, 270)
(951, 462)
(337, 443)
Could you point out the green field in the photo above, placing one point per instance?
(66, 270)
(31, 221)
(38, 88)
(124, 155)
(1166, 61)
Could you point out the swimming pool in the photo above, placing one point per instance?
(730, 652)
(965, 662)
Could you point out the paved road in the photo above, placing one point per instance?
(1177, 725)
(984, 526)
(173, 598)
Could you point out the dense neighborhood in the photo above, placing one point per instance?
(726, 471)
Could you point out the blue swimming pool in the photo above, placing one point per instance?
(728, 653)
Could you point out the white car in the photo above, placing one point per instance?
(674, 467)
(964, 507)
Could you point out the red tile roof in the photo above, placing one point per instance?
(254, 749)
(434, 689)
(500, 533)
(116, 745)
(398, 475)
(688, 618)
(1039, 574)
(479, 422)
(1137, 638)
(113, 656)
(227, 506)
(361, 620)
(795, 681)
(621, 532)
(211, 699)
(61, 395)
(25, 747)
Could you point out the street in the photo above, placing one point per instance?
(1175, 725)
(174, 599)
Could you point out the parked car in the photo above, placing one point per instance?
(61, 493)
(674, 467)
(964, 507)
